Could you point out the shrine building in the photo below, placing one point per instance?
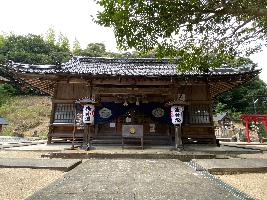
(136, 92)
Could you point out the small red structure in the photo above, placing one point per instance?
(255, 118)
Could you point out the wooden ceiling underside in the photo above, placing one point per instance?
(46, 86)
(135, 85)
(218, 86)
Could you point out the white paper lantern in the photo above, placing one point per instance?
(88, 114)
(177, 114)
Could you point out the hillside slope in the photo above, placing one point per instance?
(26, 115)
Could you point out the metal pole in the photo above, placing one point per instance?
(254, 104)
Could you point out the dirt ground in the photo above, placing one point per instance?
(17, 184)
(253, 184)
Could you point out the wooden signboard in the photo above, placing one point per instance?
(133, 132)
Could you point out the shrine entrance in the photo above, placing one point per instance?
(152, 118)
(253, 118)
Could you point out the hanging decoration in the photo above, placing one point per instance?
(105, 113)
(108, 111)
(177, 114)
(158, 112)
(88, 113)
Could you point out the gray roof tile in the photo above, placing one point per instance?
(3, 121)
(123, 67)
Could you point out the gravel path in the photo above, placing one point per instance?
(17, 184)
(20, 154)
(253, 184)
(20, 183)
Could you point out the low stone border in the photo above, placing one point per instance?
(232, 166)
(53, 164)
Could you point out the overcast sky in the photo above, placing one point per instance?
(71, 18)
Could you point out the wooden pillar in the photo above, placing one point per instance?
(247, 131)
(178, 136)
(86, 136)
(210, 112)
(52, 116)
(87, 127)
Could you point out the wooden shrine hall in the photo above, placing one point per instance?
(133, 92)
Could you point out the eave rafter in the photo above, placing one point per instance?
(129, 73)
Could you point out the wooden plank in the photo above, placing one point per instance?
(140, 91)
(199, 92)
(64, 100)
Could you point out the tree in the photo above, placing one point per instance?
(201, 34)
(76, 48)
(242, 98)
(63, 42)
(32, 49)
(51, 36)
(95, 50)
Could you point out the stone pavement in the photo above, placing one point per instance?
(9, 142)
(44, 147)
(54, 164)
(156, 152)
(252, 145)
(132, 179)
(228, 166)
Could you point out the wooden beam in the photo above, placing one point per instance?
(134, 91)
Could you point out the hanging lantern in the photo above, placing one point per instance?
(177, 114)
(88, 113)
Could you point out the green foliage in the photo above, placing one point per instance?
(76, 49)
(24, 113)
(240, 99)
(94, 50)
(51, 36)
(262, 130)
(7, 89)
(63, 42)
(33, 49)
(202, 34)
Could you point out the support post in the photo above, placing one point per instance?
(85, 136)
(265, 123)
(74, 127)
(178, 137)
(247, 131)
(89, 144)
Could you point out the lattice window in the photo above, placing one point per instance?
(64, 113)
(199, 114)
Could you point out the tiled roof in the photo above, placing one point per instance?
(124, 67)
(3, 121)
(220, 116)
(2, 79)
